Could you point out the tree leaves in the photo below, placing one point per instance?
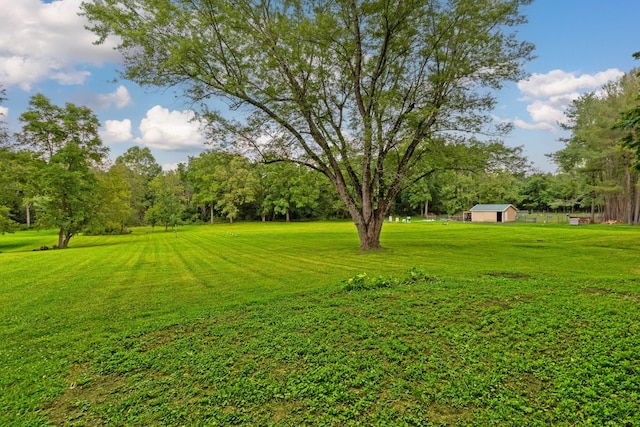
(65, 145)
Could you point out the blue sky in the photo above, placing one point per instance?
(580, 46)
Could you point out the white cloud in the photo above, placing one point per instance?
(4, 112)
(546, 111)
(120, 98)
(170, 130)
(116, 131)
(70, 77)
(558, 82)
(549, 95)
(534, 126)
(170, 166)
(41, 41)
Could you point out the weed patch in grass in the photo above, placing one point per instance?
(362, 281)
(376, 357)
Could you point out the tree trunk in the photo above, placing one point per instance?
(629, 193)
(28, 213)
(61, 240)
(369, 217)
(211, 220)
(287, 217)
(636, 214)
(369, 233)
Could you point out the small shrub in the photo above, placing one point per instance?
(356, 282)
(364, 282)
(415, 275)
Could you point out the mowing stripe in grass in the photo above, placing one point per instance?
(519, 297)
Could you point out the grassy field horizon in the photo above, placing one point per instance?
(250, 324)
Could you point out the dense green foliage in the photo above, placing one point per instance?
(219, 186)
(11, 176)
(140, 168)
(630, 122)
(261, 324)
(599, 153)
(58, 146)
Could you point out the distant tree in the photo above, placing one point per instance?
(65, 141)
(499, 186)
(630, 122)
(223, 182)
(288, 186)
(358, 90)
(200, 174)
(67, 196)
(141, 168)
(7, 225)
(237, 185)
(419, 195)
(457, 175)
(596, 153)
(4, 132)
(167, 195)
(141, 162)
(191, 212)
(17, 188)
(7, 192)
(535, 193)
(113, 207)
(566, 192)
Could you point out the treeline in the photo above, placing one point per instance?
(600, 157)
(67, 188)
(56, 173)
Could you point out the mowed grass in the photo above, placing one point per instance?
(251, 324)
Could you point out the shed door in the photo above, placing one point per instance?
(499, 217)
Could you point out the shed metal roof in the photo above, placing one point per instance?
(492, 208)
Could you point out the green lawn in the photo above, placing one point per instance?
(251, 324)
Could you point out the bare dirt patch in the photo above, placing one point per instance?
(84, 391)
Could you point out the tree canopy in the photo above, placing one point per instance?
(630, 121)
(600, 150)
(64, 145)
(358, 90)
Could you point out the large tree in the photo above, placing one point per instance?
(64, 141)
(356, 89)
